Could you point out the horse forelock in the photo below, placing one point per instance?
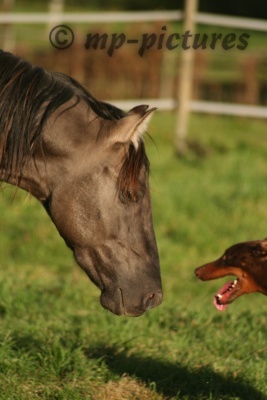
(128, 182)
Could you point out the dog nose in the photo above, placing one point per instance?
(152, 300)
(197, 272)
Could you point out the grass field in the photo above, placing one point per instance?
(56, 342)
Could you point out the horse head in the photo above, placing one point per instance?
(86, 163)
(100, 204)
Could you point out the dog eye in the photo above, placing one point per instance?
(258, 252)
(224, 259)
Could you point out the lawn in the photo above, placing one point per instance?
(56, 342)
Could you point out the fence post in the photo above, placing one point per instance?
(55, 7)
(185, 80)
(8, 30)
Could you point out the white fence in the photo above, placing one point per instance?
(134, 16)
(173, 15)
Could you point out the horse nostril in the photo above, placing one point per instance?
(153, 300)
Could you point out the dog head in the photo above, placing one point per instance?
(247, 262)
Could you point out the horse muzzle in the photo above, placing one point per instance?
(121, 302)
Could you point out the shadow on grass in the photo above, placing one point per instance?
(169, 379)
(175, 379)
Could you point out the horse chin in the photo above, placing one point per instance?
(113, 301)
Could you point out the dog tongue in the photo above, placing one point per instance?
(224, 293)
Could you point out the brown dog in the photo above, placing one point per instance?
(246, 261)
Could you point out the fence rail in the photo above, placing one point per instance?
(93, 17)
(207, 107)
(137, 16)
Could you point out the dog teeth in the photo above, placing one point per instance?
(233, 284)
(230, 288)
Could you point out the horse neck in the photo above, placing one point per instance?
(33, 179)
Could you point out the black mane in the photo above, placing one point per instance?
(28, 97)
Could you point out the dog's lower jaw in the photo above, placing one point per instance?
(226, 295)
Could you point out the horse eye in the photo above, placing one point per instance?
(128, 196)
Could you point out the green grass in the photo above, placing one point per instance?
(56, 342)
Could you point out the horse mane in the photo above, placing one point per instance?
(28, 97)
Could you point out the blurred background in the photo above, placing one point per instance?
(219, 75)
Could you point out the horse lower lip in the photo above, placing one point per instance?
(113, 303)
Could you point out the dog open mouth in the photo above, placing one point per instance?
(226, 295)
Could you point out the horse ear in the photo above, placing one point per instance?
(132, 127)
